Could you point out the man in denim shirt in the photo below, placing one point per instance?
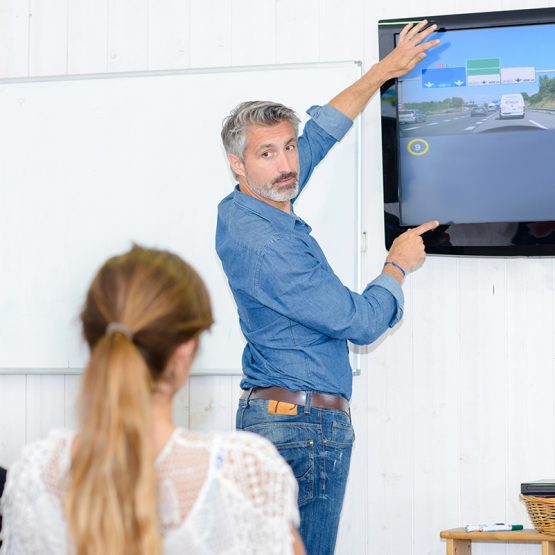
(295, 313)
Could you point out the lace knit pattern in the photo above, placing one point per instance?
(220, 494)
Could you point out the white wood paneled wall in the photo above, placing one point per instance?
(455, 406)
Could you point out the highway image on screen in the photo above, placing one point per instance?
(476, 121)
(481, 81)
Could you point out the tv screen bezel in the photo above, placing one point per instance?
(387, 30)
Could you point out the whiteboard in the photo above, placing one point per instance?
(93, 163)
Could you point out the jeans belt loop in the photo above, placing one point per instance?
(249, 395)
(308, 402)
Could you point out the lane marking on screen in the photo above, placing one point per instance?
(538, 124)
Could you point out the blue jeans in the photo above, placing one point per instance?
(317, 444)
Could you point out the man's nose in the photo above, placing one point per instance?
(285, 164)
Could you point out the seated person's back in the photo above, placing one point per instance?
(219, 491)
(129, 481)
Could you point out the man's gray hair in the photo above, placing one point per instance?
(254, 112)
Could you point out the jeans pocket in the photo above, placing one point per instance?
(343, 434)
(300, 457)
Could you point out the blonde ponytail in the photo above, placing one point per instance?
(111, 503)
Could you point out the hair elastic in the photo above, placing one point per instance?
(119, 327)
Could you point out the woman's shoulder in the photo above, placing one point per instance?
(236, 441)
(32, 514)
(231, 440)
(41, 464)
(234, 449)
(38, 453)
(255, 459)
(252, 444)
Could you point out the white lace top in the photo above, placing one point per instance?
(218, 494)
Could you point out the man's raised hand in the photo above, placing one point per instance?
(410, 50)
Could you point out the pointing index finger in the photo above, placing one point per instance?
(425, 227)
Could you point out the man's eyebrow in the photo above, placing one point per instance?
(265, 145)
(272, 145)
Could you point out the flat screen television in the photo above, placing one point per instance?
(468, 135)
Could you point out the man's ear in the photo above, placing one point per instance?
(236, 164)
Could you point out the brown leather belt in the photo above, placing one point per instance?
(319, 400)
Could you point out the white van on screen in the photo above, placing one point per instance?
(511, 106)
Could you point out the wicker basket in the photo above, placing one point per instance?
(542, 512)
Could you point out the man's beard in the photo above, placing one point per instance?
(272, 190)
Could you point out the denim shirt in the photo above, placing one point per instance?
(295, 313)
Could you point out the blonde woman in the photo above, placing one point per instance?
(129, 481)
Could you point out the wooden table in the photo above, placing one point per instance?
(459, 542)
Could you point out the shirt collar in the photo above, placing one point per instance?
(278, 217)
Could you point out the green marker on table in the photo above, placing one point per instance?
(497, 527)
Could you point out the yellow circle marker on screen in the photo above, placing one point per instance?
(418, 147)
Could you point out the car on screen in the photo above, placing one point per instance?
(411, 116)
(478, 111)
(511, 106)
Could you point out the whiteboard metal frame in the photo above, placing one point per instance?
(187, 71)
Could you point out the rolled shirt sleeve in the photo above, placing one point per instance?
(326, 126)
(392, 285)
(331, 120)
